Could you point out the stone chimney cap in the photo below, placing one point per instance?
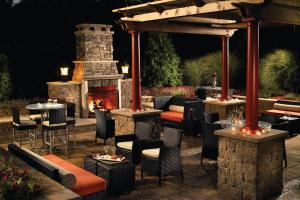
(94, 27)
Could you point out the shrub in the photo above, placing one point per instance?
(5, 80)
(277, 73)
(200, 71)
(162, 63)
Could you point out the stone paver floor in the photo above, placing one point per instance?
(199, 181)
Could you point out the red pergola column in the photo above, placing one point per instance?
(252, 76)
(135, 71)
(225, 68)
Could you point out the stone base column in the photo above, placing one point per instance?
(250, 166)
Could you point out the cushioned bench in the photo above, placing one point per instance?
(179, 112)
(285, 107)
(80, 181)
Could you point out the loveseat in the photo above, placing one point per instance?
(180, 112)
(285, 107)
(85, 184)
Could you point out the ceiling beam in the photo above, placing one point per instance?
(281, 14)
(176, 28)
(203, 20)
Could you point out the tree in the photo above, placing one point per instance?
(200, 71)
(5, 79)
(161, 62)
(278, 73)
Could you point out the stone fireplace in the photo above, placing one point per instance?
(95, 72)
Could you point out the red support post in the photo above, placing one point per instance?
(136, 71)
(225, 68)
(252, 76)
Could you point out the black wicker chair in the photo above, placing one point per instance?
(129, 145)
(192, 114)
(284, 126)
(211, 117)
(162, 157)
(21, 126)
(272, 119)
(105, 126)
(210, 141)
(57, 121)
(201, 93)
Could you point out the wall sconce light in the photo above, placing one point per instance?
(125, 68)
(64, 72)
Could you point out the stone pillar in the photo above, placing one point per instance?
(136, 71)
(252, 76)
(225, 68)
(250, 166)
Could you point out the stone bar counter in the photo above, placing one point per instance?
(222, 107)
(125, 119)
(250, 166)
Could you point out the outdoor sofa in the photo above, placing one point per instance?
(180, 112)
(285, 107)
(85, 184)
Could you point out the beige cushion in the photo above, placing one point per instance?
(25, 123)
(67, 178)
(46, 123)
(176, 108)
(286, 107)
(125, 145)
(153, 153)
(35, 116)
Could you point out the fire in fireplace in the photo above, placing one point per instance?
(104, 97)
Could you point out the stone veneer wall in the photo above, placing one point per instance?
(248, 170)
(94, 50)
(94, 42)
(126, 93)
(69, 91)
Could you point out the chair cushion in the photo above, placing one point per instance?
(87, 183)
(176, 108)
(125, 145)
(153, 153)
(293, 108)
(35, 116)
(46, 123)
(24, 123)
(172, 116)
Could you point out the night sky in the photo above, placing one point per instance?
(38, 37)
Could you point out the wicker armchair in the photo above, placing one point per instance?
(105, 126)
(211, 117)
(129, 145)
(162, 157)
(210, 141)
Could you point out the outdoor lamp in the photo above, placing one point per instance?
(125, 68)
(64, 72)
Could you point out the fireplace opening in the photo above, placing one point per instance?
(104, 97)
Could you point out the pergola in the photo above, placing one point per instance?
(210, 17)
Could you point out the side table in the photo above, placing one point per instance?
(120, 177)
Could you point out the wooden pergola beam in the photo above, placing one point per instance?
(176, 12)
(280, 14)
(203, 20)
(176, 28)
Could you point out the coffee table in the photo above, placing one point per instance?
(120, 177)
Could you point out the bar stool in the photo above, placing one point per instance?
(70, 120)
(57, 121)
(24, 125)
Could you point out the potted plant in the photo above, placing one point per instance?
(15, 184)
